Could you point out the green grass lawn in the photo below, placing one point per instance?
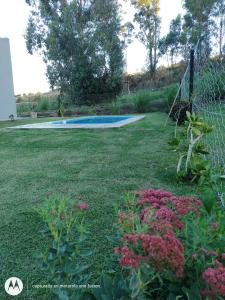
(93, 166)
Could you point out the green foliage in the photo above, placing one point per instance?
(147, 17)
(170, 44)
(112, 288)
(43, 105)
(80, 44)
(142, 102)
(209, 85)
(25, 107)
(211, 187)
(153, 100)
(171, 95)
(191, 163)
(209, 200)
(199, 23)
(115, 108)
(36, 103)
(66, 230)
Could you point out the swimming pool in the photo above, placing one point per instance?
(86, 122)
(94, 120)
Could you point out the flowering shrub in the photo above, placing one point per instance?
(215, 278)
(64, 220)
(169, 247)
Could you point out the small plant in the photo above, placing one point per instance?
(211, 187)
(191, 162)
(115, 287)
(63, 260)
(142, 101)
(172, 92)
(115, 108)
(43, 105)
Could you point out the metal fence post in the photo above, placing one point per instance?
(59, 105)
(191, 82)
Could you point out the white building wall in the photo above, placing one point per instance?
(7, 98)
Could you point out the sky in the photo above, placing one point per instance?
(29, 70)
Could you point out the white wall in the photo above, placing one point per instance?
(7, 98)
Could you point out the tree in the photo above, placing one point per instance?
(219, 13)
(147, 16)
(170, 44)
(80, 44)
(198, 24)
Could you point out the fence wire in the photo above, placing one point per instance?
(208, 102)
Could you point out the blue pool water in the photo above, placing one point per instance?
(94, 120)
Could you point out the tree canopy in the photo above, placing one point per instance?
(82, 41)
(203, 21)
(80, 44)
(147, 17)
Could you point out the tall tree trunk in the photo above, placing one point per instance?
(155, 43)
(221, 33)
(151, 47)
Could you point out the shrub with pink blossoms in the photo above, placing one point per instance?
(163, 252)
(215, 279)
(170, 237)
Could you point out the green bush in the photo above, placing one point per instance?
(43, 105)
(115, 108)
(151, 95)
(142, 102)
(209, 85)
(26, 107)
(171, 95)
(142, 105)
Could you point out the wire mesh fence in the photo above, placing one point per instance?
(207, 100)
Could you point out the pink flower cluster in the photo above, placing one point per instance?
(128, 258)
(164, 252)
(83, 206)
(166, 214)
(158, 198)
(184, 205)
(162, 220)
(215, 278)
(158, 215)
(158, 245)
